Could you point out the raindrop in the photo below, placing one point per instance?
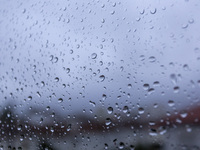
(186, 67)
(108, 121)
(153, 11)
(110, 110)
(129, 86)
(19, 128)
(183, 115)
(55, 60)
(153, 132)
(184, 26)
(171, 103)
(121, 145)
(60, 100)
(191, 21)
(56, 79)
(106, 146)
(173, 79)
(125, 109)
(102, 78)
(67, 70)
(29, 98)
(94, 56)
(93, 103)
(140, 110)
(69, 127)
(47, 108)
(146, 86)
(176, 89)
(152, 59)
(151, 90)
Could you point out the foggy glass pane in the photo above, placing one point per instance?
(99, 75)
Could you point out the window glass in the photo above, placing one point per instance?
(94, 74)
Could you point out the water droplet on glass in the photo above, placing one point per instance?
(171, 103)
(121, 145)
(176, 89)
(129, 86)
(153, 11)
(93, 103)
(94, 56)
(153, 132)
(125, 109)
(152, 59)
(173, 78)
(102, 78)
(110, 110)
(47, 108)
(186, 67)
(56, 79)
(67, 70)
(184, 26)
(69, 127)
(108, 121)
(146, 86)
(151, 90)
(60, 100)
(191, 21)
(29, 98)
(183, 115)
(140, 110)
(19, 128)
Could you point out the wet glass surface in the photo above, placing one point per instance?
(99, 74)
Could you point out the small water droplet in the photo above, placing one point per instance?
(67, 70)
(186, 67)
(102, 78)
(183, 115)
(121, 145)
(47, 108)
(60, 100)
(110, 110)
(191, 21)
(129, 86)
(94, 56)
(173, 79)
(29, 98)
(171, 103)
(108, 121)
(146, 86)
(152, 59)
(56, 79)
(153, 132)
(184, 26)
(140, 110)
(176, 89)
(125, 109)
(153, 11)
(93, 103)
(69, 127)
(19, 128)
